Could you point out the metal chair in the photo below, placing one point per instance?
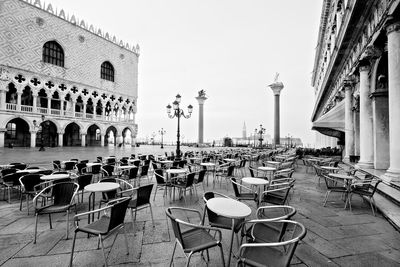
(277, 193)
(28, 183)
(84, 180)
(162, 183)
(251, 195)
(364, 188)
(194, 238)
(277, 252)
(63, 195)
(11, 181)
(183, 185)
(110, 222)
(332, 186)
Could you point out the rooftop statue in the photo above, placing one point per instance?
(202, 93)
(276, 77)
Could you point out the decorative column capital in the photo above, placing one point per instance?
(392, 25)
(364, 65)
(276, 87)
(348, 83)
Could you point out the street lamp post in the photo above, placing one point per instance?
(261, 132)
(178, 113)
(162, 132)
(255, 133)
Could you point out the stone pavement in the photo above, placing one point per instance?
(335, 237)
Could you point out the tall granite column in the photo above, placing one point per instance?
(276, 88)
(393, 35)
(201, 99)
(348, 121)
(366, 125)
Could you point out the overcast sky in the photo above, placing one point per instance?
(230, 48)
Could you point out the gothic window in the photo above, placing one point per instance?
(53, 53)
(12, 130)
(107, 71)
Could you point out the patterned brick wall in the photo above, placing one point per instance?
(24, 29)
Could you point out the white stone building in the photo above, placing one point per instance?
(63, 82)
(356, 79)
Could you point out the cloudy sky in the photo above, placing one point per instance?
(230, 48)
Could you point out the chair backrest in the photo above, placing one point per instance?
(8, 171)
(235, 187)
(20, 166)
(230, 170)
(63, 193)
(175, 227)
(159, 176)
(80, 166)
(118, 211)
(69, 165)
(190, 179)
(84, 180)
(13, 178)
(143, 195)
(99, 159)
(201, 176)
(32, 168)
(136, 163)
(144, 170)
(286, 242)
(109, 169)
(85, 161)
(111, 160)
(29, 181)
(133, 173)
(124, 160)
(96, 169)
(45, 172)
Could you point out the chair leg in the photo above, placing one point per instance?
(133, 223)
(67, 224)
(126, 240)
(20, 203)
(72, 251)
(155, 193)
(222, 254)
(326, 197)
(373, 206)
(102, 248)
(152, 218)
(51, 226)
(173, 253)
(188, 259)
(36, 223)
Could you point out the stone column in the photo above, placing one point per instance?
(84, 109)
(366, 123)
(33, 138)
(2, 96)
(276, 88)
(348, 121)
(19, 94)
(103, 112)
(201, 99)
(60, 139)
(49, 105)
(2, 133)
(61, 106)
(133, 141)
(73, 107)
(393, 35)
(83, 140)
(34, 102)
(102, 136)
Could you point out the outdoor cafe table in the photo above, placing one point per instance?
(346, 178)
(256, 182)
(229, 208)
(229, 160)
(98, 187)
(330, 168)
(209, 166)
(57, 176)
(29, 170)
(174, 171)
(267, 169)
(5, 166)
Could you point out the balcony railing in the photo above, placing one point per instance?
(10, 106)
(57, 112)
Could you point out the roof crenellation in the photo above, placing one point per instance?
(82, 24)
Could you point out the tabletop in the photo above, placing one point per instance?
(230, 160)
(342, 176)
(273, 162)
(330, 168)
(56, 176)
(254, 181)
(228, 207)
(102, 187)
(166, 161)
(266, 168)
(5, 166)
(207, 164)
(176, 171)
(29, 170)
(90, 164)
(125, 167)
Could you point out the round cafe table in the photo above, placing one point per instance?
(230, 208)
(98, 187)
(267, 170)
(5, 166)
(330, 168)
(256, 182)
(57, 176)
(29, 170)
(176, 172)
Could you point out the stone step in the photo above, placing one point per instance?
(387, 199)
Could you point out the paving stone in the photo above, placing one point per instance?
(324, 232)
(156, 234)
(325, 247)
(367, 259)
(118, 254)
(362, 244)
(60, 260)
(45, 242)
(391, 254)
(6, 252)
(312, 257)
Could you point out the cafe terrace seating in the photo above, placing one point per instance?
(110, 222)
(193, 238)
